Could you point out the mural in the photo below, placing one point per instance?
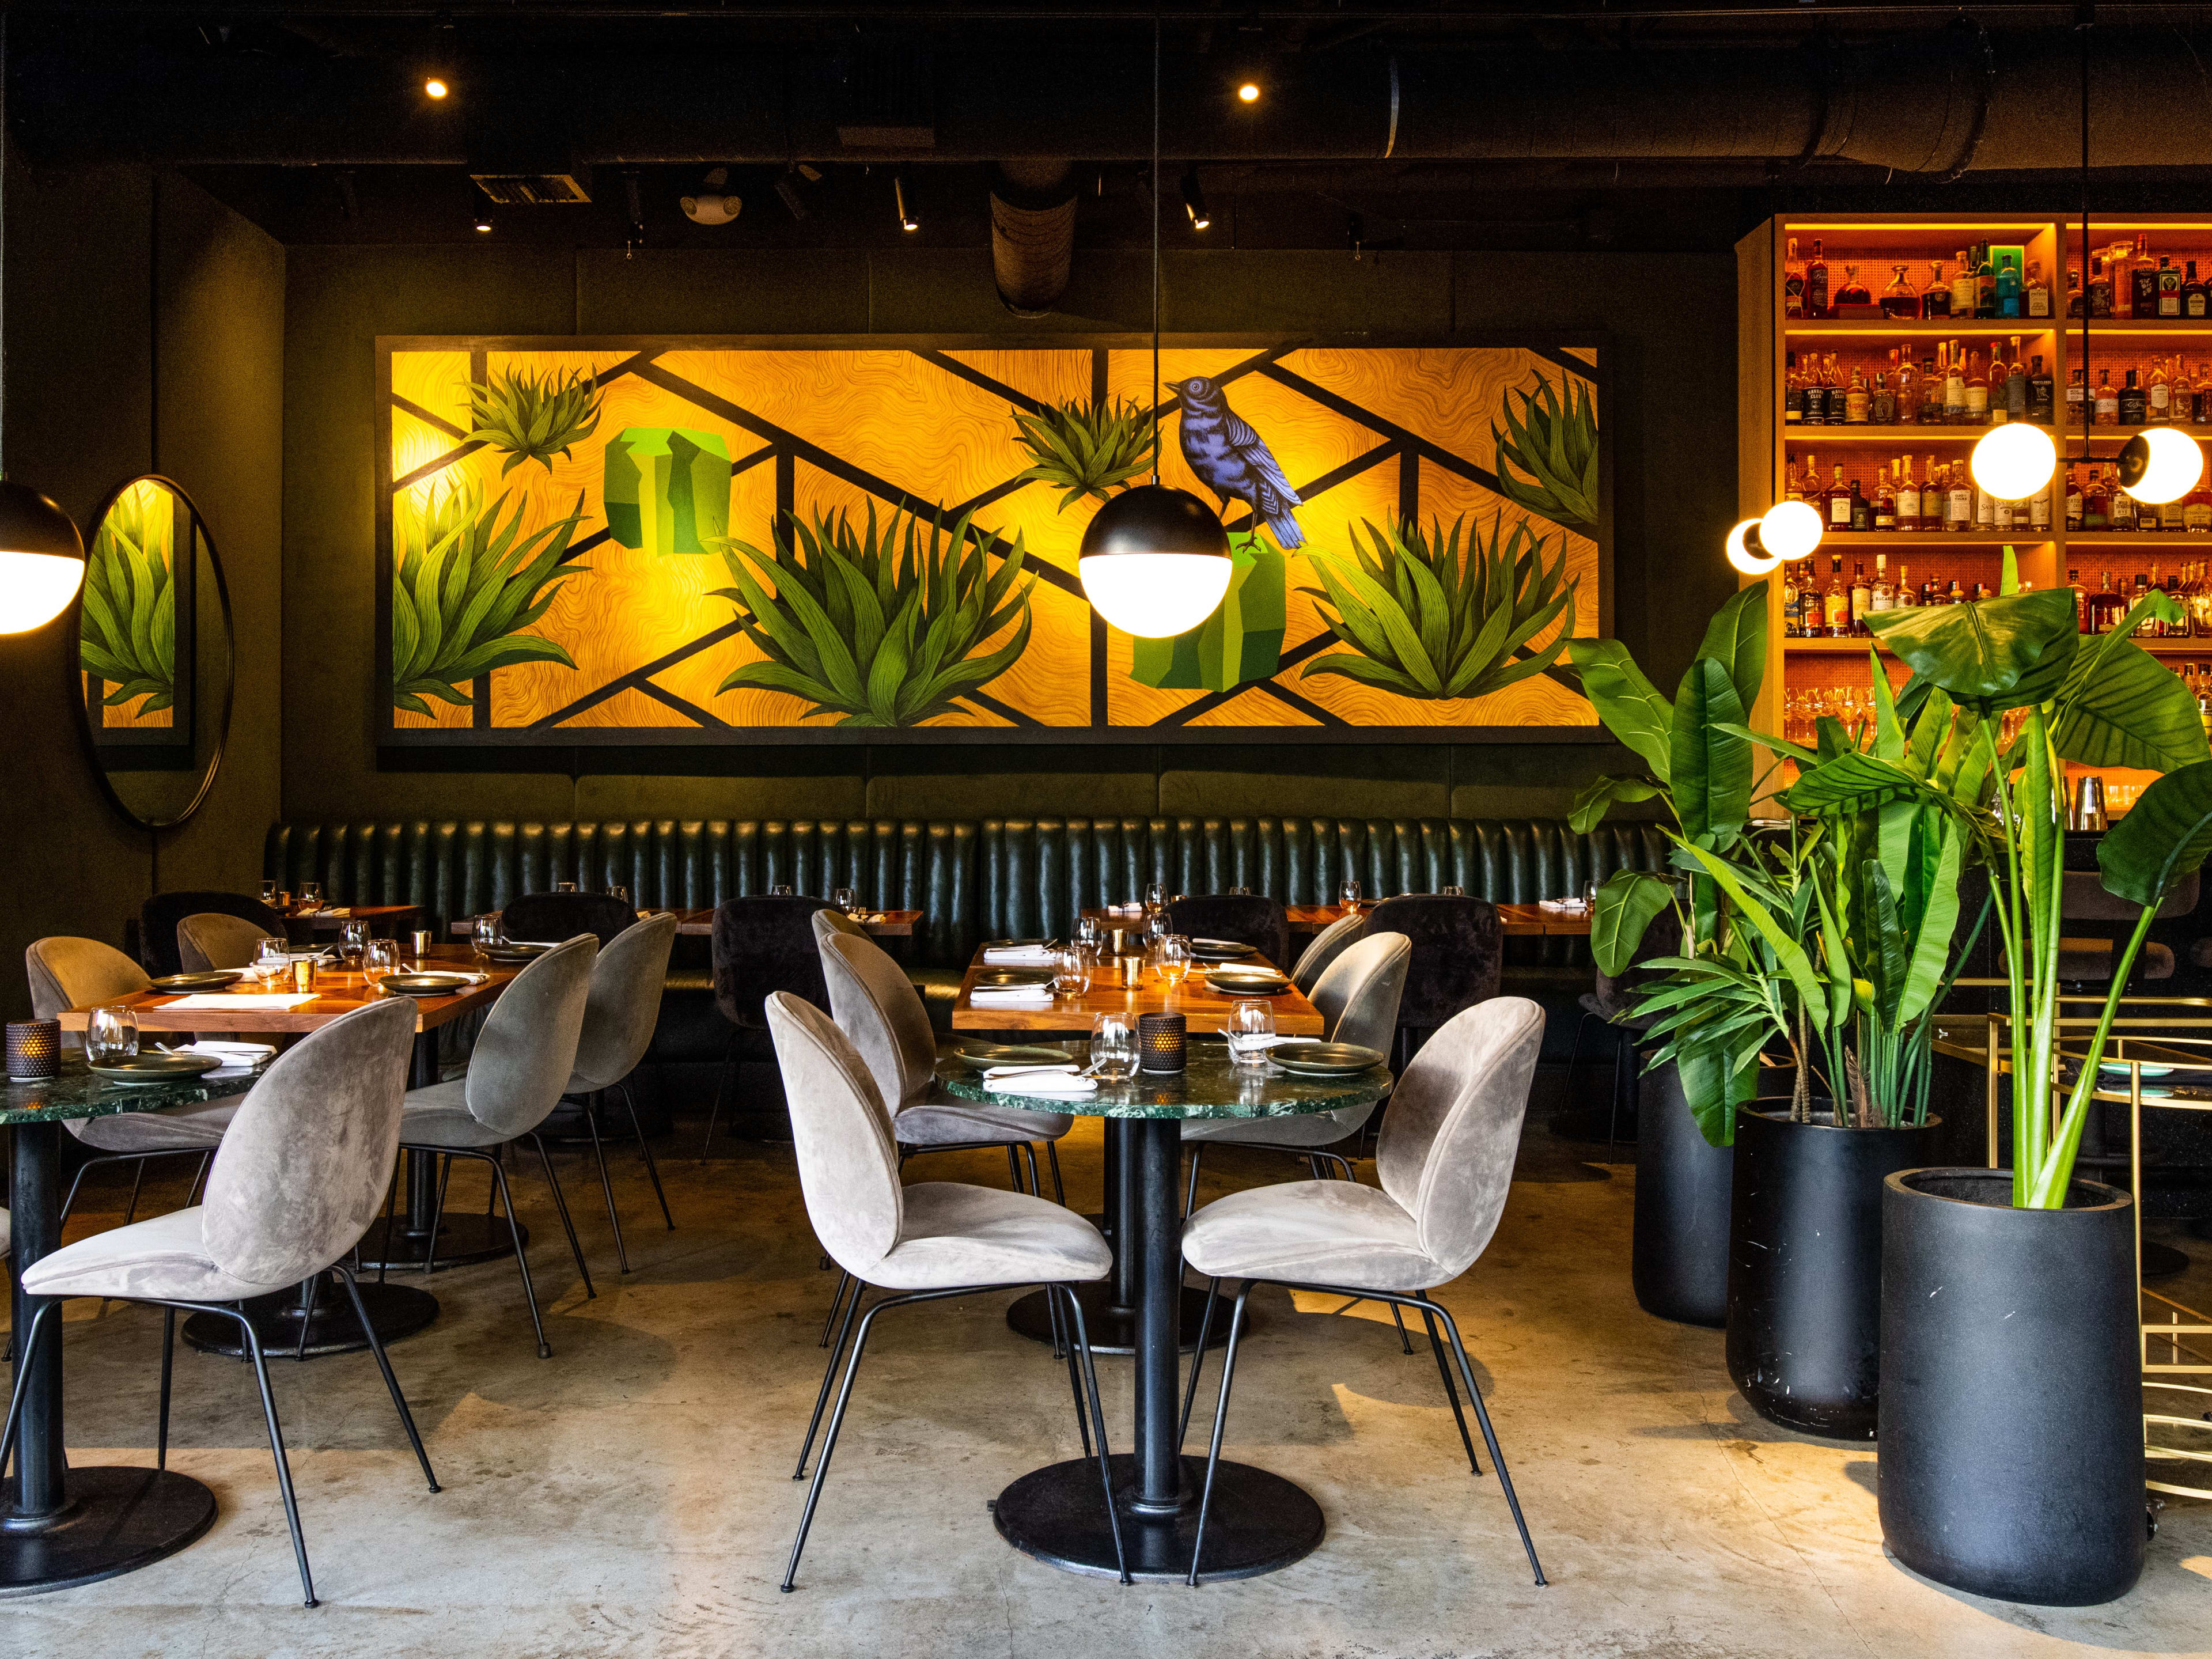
(707, 541)
(131, 624)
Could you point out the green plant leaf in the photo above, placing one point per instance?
(1627, 903)
(2121, 706)
(1980, 653)
(1792, 955)
(2164, 839)
(1851, 782)
(1736, 639)
(1591, 806)
(1709, 770)
(1629, 704)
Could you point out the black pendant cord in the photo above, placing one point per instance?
(1156, 246)
(2089, 404)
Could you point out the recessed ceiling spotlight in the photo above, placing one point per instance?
(436, 85)
(1248, 92)
(714, 205)
(1194, 199)
(908, 220)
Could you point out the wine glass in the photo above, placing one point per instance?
(1157, 928)
(1070, 975)
(353, 935)
(271, 962)
(380, 957)
(843, 899)
(311, 895)
(1089, 934)
(111, 1034)
(1347, 895)
(1171, 958)
(268, 894)
(1156, 896)
(1113, 1047)
(1251, 1031)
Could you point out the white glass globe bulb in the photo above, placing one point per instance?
(2013, 461)
(2172, 466)
(1790, 529)
(1155, 595)
(1743, 558)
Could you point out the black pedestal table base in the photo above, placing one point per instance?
(1260, 1522)
(395, 1310)
(462, 1239)
(114, 1521)
(1114, 1329)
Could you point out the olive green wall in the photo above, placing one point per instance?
(1671, 322)
(141, 322)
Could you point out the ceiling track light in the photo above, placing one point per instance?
(904, 201)
(1193, 198)
(482, 221)
(438, 69)
(1248, 92)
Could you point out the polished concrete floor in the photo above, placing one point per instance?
(632, 1495)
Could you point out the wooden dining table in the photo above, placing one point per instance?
(699, 924)
(1516, 920)
(310, 1324)
(1204, 1008)
(384, 920)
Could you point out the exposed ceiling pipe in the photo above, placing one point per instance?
(1929, 103)
(1032, 234)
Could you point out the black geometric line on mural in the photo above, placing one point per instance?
(629, 365)
(1566, 360)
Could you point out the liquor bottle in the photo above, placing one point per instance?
(1816, 283)
(1908, 389)
(1958, 499)
(2140, 594)
(2192, 292)
(2197, 518)
(1885, 502)
(1861, 599)
(2151, 626)
(1881, 400)
(2008, 287)
(2157, 396)
(2081, 601)
(2074, 303)
(2039, 511)
(1857, 397)
(2105, 410)
(2096, 503)
(1883, 596)
(2201, 394)
(2105, 608)
(2142, 280)
(2038, 392)
(1962, 287)
(1900, 298)
(2015, 385)
(1862, 510)
(2121, 508)
(1954, 365)
(1793, 284)
(1840, 501)
(1836, 602)
(1931, 390)
(2076, 402)
(2035, 294)
(1906, 599)
(2100, 287)
(1813, 391)
(1837, 391)
(1908, 496)
(1792, 619)
(1852, 294)
(2169, 288)
(1986, 511)
(1953, 596)
(2128, 406)
(1793, 486)
(1793, 393)
(1936, 297)
(1985, 282)
(2074, 500)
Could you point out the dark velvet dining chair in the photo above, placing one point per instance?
(761, 944)
(1459, 959)
(1246, 918)
(550, 918)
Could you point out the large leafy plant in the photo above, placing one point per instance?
(533, 417)
(1555, 443)
(878, 625)
(1087, 448)
(128, 633)
(465, 585)
(1426, 619)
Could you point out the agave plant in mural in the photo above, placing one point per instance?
(534, 418)
(878, 624)
(1554, 443)
(465, 584)
(1087, 448)
(1422, 625)
(129, 634)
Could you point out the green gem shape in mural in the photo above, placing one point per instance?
(1241, 641)
(667, 489)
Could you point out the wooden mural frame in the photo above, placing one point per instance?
(1393, 443)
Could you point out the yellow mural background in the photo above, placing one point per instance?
(917, 426)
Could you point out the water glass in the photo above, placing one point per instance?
(380, 957)
(112, 1034)
(843, 899)
(1171, 958)
(1114, 1047)
(781, 889)
(484, 934)
(1455, 892)
(269, 893)
(1251, 1032)
(1070, 975)
(422, 940)
(619, 892)
(311, 895)
(1157, 928)
(1589, 894)
(355, 934)
(271, 962)
(1089, 934)
(1347, 895)
(303, 976)
(1156, 896)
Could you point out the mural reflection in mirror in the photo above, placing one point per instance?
(154, 652)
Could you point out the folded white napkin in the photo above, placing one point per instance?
(231, 1054)
(1574, 905)
(1019, 956)
(204, 1000)
(1037, 1080)
(1032, 996)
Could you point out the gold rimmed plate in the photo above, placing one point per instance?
(1318, 1059)
(156, 1067)
(430, 984)
(210, 979)
(1249, 981)
(981, 1054)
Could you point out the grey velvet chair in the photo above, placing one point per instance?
(1324, 948)
(296, 1184)
(626, 980)
(523, 1059)
(1445, 1162)
(72, 972)
(212, 940)
(924, 1242)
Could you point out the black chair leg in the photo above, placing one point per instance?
(1489, 1435)
(515, 1232)
(652, 1169)
(1014, 1168)
(1098, 1420)
(606, 1186)
(1404, 1341)
(830, 1443)
(561, 1204)
(168, 1366)
(137, 1181)
(821, 1398)
(1575, 1055)
(391, 1383)
(307, 1313)
(1052, 1157)
(438, 1213)
(837, 1301)
(23, 1375)
(1190, 1189)
(1220, 1422)
(1451, 1393)
(1198, 1358)
(722, 1087)
(276, 1450)
(1074, 1377)
(199, 1179)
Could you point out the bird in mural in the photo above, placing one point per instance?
(1233, 460)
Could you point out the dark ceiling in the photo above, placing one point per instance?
(1597, 126)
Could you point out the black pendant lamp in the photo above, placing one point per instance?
(1155, 560)
(41, 559)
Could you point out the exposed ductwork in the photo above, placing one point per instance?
(1032, 234)
(1935, 102)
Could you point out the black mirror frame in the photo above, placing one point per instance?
(204, 536)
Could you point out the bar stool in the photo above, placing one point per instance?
(619, 1011)
(213, 939)
(1446, 1163)
(761, 944)
(924, 1242)
(296, 1184)
(1246, 918)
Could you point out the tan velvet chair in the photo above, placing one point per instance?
(924, 1242)
(296, 1184)
(212, 940)
(1445, 1162)
(75, 973)
(628, 978)
(521, 1065)
(1324, 948)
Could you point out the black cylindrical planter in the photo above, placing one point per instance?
(2011, 1459)
(1804, 1281)
(1679, 1257)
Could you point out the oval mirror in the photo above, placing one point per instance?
(154, 653)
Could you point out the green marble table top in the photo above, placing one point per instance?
(1210, 1085)
(76, 1093)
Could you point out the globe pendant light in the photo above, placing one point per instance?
(2013, 461)
(41, 559)
(2161, 465)
(1788, 529)
(1155, 560)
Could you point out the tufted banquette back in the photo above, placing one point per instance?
(994, 878)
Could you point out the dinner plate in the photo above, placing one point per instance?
(430, 984)
(1019, 943)
(1000, 979)
(155, 1067)
(1254, 981)
(1221, 949)
(980, 1055)
(1318, 1059)
(512, 953)
(2121, 1068)
(210, 979)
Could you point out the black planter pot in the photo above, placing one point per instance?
(1804, 1278)
(1679, 1258)
(2012, 1461)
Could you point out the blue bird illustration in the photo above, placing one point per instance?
(1234, 460)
